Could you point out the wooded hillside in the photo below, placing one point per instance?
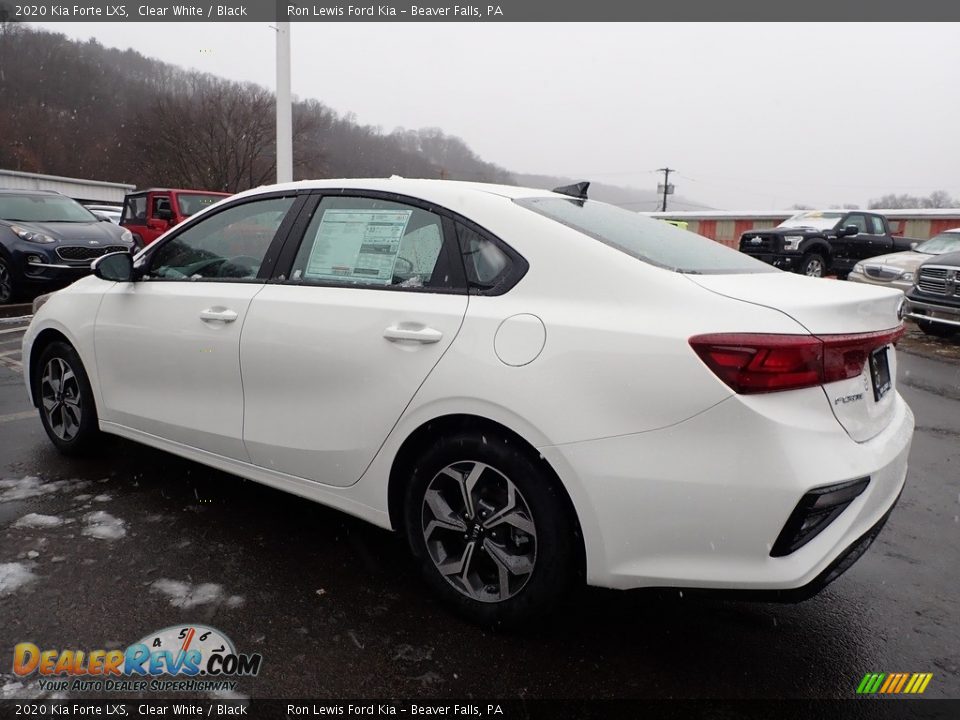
(84, 110)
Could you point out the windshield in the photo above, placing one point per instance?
(940, 244)
(191, 203)
(815, 220)
(43, 208)
(644, 238)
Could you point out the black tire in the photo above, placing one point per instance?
(555, 540)
(935, 329)
(9, 285)
(813, 265)
(68, 414)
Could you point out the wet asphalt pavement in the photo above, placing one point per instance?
(337, 610)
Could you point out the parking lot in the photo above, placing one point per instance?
(144, 540)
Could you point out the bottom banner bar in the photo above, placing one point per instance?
(885, 709)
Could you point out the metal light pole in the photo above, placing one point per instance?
(284, 108)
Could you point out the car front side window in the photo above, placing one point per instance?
(229, 245)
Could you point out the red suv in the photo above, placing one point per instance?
(150, 213)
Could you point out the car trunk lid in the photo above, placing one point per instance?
(851, 319)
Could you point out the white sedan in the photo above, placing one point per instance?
(536, 389)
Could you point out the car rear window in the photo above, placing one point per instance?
(647, 239)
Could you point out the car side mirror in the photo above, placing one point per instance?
(850, 230)
(115, 267)
(164, 214)
(913, 246)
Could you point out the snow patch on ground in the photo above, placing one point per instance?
(36, 520)
(103, 498)
(184, 595)
(32, 486)
(14, 576)
(104, 526)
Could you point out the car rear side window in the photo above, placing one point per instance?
(652, 241)
(228, 245)
(486, 264)
(876, 224)
(372, 242)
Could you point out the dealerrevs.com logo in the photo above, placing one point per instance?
(175, 659)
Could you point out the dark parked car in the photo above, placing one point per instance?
(819, 242)
(934, 300)
(48, 240)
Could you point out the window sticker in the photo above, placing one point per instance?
(360, 245)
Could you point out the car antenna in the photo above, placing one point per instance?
(577, 190)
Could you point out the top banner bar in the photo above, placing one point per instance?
(488, 11)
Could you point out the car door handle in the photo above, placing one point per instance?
(214, 314)
(413, 333)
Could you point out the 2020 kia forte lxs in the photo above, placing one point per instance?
(533, 387)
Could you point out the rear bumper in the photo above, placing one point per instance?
(838, 567)
(700, 504)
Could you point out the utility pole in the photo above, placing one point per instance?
(666, 188)
(284, 109)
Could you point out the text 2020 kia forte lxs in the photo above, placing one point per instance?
(533, 387)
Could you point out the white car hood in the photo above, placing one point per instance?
(823, 307)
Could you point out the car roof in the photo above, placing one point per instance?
(177, 190)
(439, 191)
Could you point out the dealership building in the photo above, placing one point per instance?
(726, 226)
(86, 191)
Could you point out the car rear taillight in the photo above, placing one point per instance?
(760, 363)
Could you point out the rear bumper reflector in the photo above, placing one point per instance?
(815, 511)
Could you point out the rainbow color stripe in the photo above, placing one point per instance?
(894, 683)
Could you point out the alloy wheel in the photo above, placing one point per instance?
(60, 397)
(479, 531)
(814, 268)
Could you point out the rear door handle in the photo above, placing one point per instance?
(420, 334)
(215, 314)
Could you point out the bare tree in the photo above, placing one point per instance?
(936, 199)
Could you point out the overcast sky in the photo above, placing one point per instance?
(751, 115)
